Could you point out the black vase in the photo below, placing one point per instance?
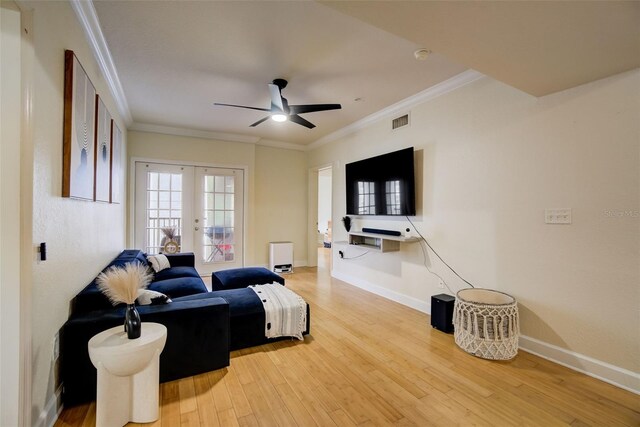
(132, 324)
(347, 223)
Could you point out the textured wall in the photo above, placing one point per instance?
(82, 237)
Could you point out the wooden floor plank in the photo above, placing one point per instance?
(187, 395)
(170, 404)
(205, 402)
(370, 362)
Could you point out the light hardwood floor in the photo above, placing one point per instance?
(370, 361)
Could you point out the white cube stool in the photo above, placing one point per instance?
(128, 374)
(486, 323)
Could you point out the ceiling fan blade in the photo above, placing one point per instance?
(301, 109)
(259, 121)
(299, 120)
(241, 106)
(276, 98)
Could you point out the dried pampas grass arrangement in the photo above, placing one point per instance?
(169, 232)
(121, 284)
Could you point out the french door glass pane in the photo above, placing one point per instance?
(164, 209)
(218, 241)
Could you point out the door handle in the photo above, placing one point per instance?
(197, 228)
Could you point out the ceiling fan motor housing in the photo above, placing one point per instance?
(281, 83)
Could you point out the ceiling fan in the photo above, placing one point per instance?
(281, 111)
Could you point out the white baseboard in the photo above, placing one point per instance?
(414, 303)
(51, 411)
(603, 371)
(296, 263)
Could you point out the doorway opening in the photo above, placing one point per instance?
(324, 219)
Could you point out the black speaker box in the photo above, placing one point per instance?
(442, 312)
(380, 231)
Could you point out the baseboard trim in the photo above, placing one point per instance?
(51, 411)
(412, 302)
(611, 374)
(603, 371)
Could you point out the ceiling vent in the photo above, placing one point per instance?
(399, 122)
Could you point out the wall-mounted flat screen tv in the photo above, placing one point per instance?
(382, 185)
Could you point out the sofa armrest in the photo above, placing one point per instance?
(197, 342)
(186, 259)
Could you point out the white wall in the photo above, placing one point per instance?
(490, 159)
(275, 184)
(324, 199)
(82, 237)
(280, 208)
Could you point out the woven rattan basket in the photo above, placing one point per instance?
(486, 323)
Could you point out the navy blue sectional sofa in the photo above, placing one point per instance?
(202, 326)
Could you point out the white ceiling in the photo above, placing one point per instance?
(175, 58)
(539, 47)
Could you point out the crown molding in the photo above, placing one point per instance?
(217, 136)
(178, 131)
(281, 144)
(88, 19)
(435, 91)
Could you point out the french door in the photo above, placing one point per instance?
(199, 208)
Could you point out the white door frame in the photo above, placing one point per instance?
(132, 190)
(16, 224)
(312, 215)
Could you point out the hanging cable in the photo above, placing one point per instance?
(439, 257)
(357, 256)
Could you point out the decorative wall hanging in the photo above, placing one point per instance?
(116, 162)
(78, 131)
(102, 153)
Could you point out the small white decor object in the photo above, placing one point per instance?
(158, 262)
(486, 323)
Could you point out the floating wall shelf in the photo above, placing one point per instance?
(379, 242)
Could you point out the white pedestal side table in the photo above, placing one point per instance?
(128, 374)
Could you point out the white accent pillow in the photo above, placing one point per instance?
(158, 262)
(149, 297)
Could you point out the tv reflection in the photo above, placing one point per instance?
(388, 197)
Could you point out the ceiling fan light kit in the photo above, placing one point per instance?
(280, 109)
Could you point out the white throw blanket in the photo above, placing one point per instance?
(285, 311)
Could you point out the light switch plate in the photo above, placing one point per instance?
(557, 216)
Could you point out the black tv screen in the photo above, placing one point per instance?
(382, 185)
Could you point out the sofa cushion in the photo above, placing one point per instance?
(175, 273)
(149, 297)
(236, 278)
(179, 287)
(90, 299)
(158, 262)
(127, 256)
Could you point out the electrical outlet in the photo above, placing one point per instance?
(441, 284)
(56, 346)
(557, 216)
